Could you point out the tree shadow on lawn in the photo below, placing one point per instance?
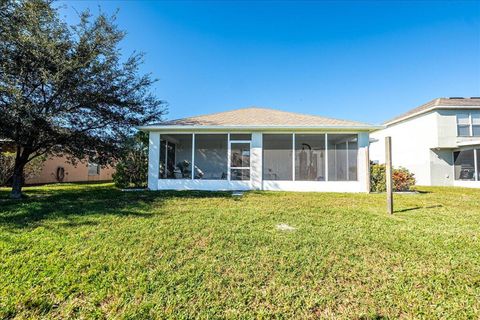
(72, 204)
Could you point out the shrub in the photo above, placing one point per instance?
(403, 180)
(132, 168)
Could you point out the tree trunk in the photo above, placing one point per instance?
(21, 160)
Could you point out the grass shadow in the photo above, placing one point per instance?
(418, 208)
(77, 201)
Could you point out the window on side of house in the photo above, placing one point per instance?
(211, 156)
(93, 169)
(310, 157)
(463, 124)
(277, 157)
(464, 162)
(175, 156)
(342, 157)
(476, 124)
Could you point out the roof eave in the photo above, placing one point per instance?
(428, 110)
(367, 128)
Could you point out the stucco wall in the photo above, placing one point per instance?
(411, 143)
(424, 145)
(78, 173)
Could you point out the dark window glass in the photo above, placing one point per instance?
(464, 165)
(240, 174)
(175, 156)
(240, 154)
(478, 164)
(240, 136)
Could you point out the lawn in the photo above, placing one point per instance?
(92, 251)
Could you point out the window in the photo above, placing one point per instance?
(211, 156)
(463, 124)
(310, 157)
(468, 124)
(476, 124)
(239, 160)
(342, 157)
(277, 156)
(93, 169)
(175, 156)
(464, 162)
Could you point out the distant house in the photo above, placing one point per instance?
(58, 169)
(438, 141)
(259, 149)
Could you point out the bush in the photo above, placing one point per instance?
(132, 168)
(403, 180)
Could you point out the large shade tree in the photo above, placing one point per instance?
(66, 89)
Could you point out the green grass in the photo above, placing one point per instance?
(91, 251)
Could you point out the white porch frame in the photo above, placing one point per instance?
(256, 181)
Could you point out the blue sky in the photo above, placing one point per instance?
(365, 61)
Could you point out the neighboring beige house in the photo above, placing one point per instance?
(438, 141)
(259, 149)
(58, 169)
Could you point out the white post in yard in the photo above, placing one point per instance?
(388, 173)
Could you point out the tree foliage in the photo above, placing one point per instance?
(132, 167)
(66, 89)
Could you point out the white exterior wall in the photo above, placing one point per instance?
(424, 145)
(256, 172)
(411, 142)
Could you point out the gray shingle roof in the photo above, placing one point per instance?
(453, 103)
(255, 116)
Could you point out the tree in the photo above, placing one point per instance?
(132, 166)
(65, 89)
(7, 164)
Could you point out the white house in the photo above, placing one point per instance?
(438, 141)
(259, 149)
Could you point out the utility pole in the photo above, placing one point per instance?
(388, 173)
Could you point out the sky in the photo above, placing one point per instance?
(354, 60)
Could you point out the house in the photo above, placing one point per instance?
(57, 169)
(439, 142)
(259, 149)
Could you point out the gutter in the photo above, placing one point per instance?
(367, 128)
